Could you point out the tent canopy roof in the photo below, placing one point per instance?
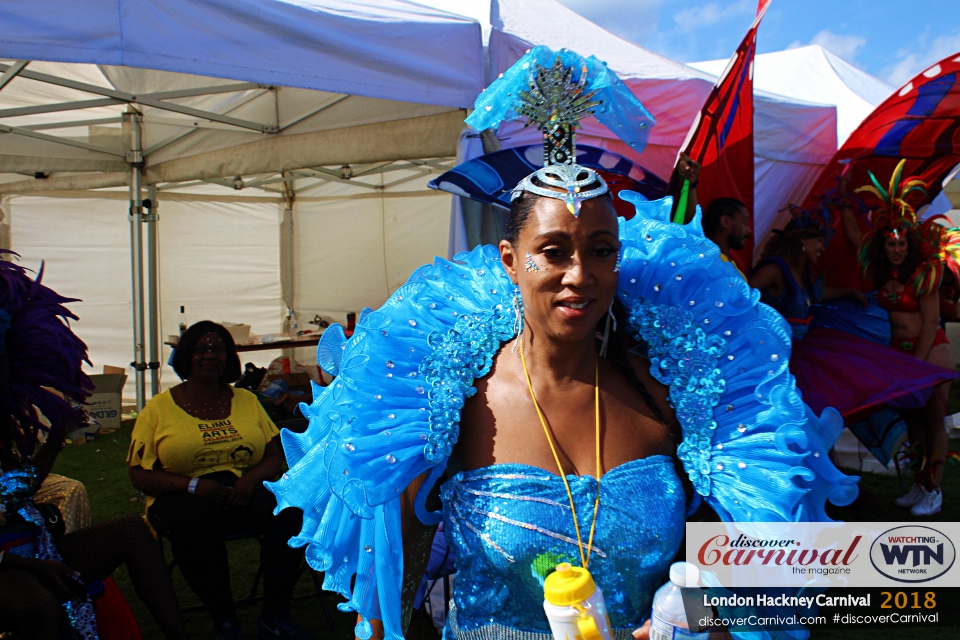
(227, 89)
(388, 49)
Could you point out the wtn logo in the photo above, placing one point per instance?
(899, 554)
(912, 554)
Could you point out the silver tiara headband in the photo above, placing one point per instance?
(541, 87)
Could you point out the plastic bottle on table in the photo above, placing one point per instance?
(183, 320)
(574, 605)
(669, 619)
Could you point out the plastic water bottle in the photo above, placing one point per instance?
(669, 619)
(574, 605)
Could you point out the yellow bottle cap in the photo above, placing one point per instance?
(568, 585)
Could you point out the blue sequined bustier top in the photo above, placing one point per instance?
(510, 525)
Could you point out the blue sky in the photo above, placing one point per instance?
(891, 39)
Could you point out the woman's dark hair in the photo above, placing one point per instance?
(521, 207)
(883, 270)
(787, 243)
(183, 356)
(618, 356)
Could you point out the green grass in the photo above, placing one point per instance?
(99, 465)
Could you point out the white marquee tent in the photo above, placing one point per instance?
(288, 144)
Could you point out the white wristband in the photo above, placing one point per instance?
(192, 487)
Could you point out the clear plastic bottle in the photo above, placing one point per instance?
(668, 619)
(183, 320)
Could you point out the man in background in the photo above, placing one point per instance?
(727, 224)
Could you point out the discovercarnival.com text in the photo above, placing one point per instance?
(776, 622)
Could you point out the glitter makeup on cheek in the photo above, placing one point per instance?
(529, 265)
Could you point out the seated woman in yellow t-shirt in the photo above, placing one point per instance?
(201, 452)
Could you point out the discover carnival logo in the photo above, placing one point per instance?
(835, 554)
(912, 554)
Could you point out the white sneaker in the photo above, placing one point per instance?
(929, 504)
(911, 498)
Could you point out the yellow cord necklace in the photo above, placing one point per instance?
(584, 558)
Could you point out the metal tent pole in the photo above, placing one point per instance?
(153, 280)
(135, 159)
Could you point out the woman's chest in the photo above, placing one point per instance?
(501, 424)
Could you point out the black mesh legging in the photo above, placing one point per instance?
(196, 528)
(32, 611)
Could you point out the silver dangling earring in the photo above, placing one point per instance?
(616, 267)
(606, 330)
(518, 318)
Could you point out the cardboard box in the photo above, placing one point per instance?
(104, 405)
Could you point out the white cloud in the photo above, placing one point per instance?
(710, 14)
(914, 60)
(633, 20)
(844, 46)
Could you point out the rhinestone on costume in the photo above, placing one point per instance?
(419, 390)
(693, 303)
(718, 304)
(729, 407)
(391, 459)
(727, 333)
(432, 305)
(412, 322)
(367, 549)
(742, 428)
(389, 364)
(349, 446)
(377, 397)
(742, 465)
(774, 357)
(719, 466)
(391, 416)
(657, 288)
(678, 278)
(730, 358)
(384, 333)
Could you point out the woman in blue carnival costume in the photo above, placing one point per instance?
(45, 574)
(489, 372)
(834, 368)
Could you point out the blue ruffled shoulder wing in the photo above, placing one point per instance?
(751, 447)
(391, 414)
